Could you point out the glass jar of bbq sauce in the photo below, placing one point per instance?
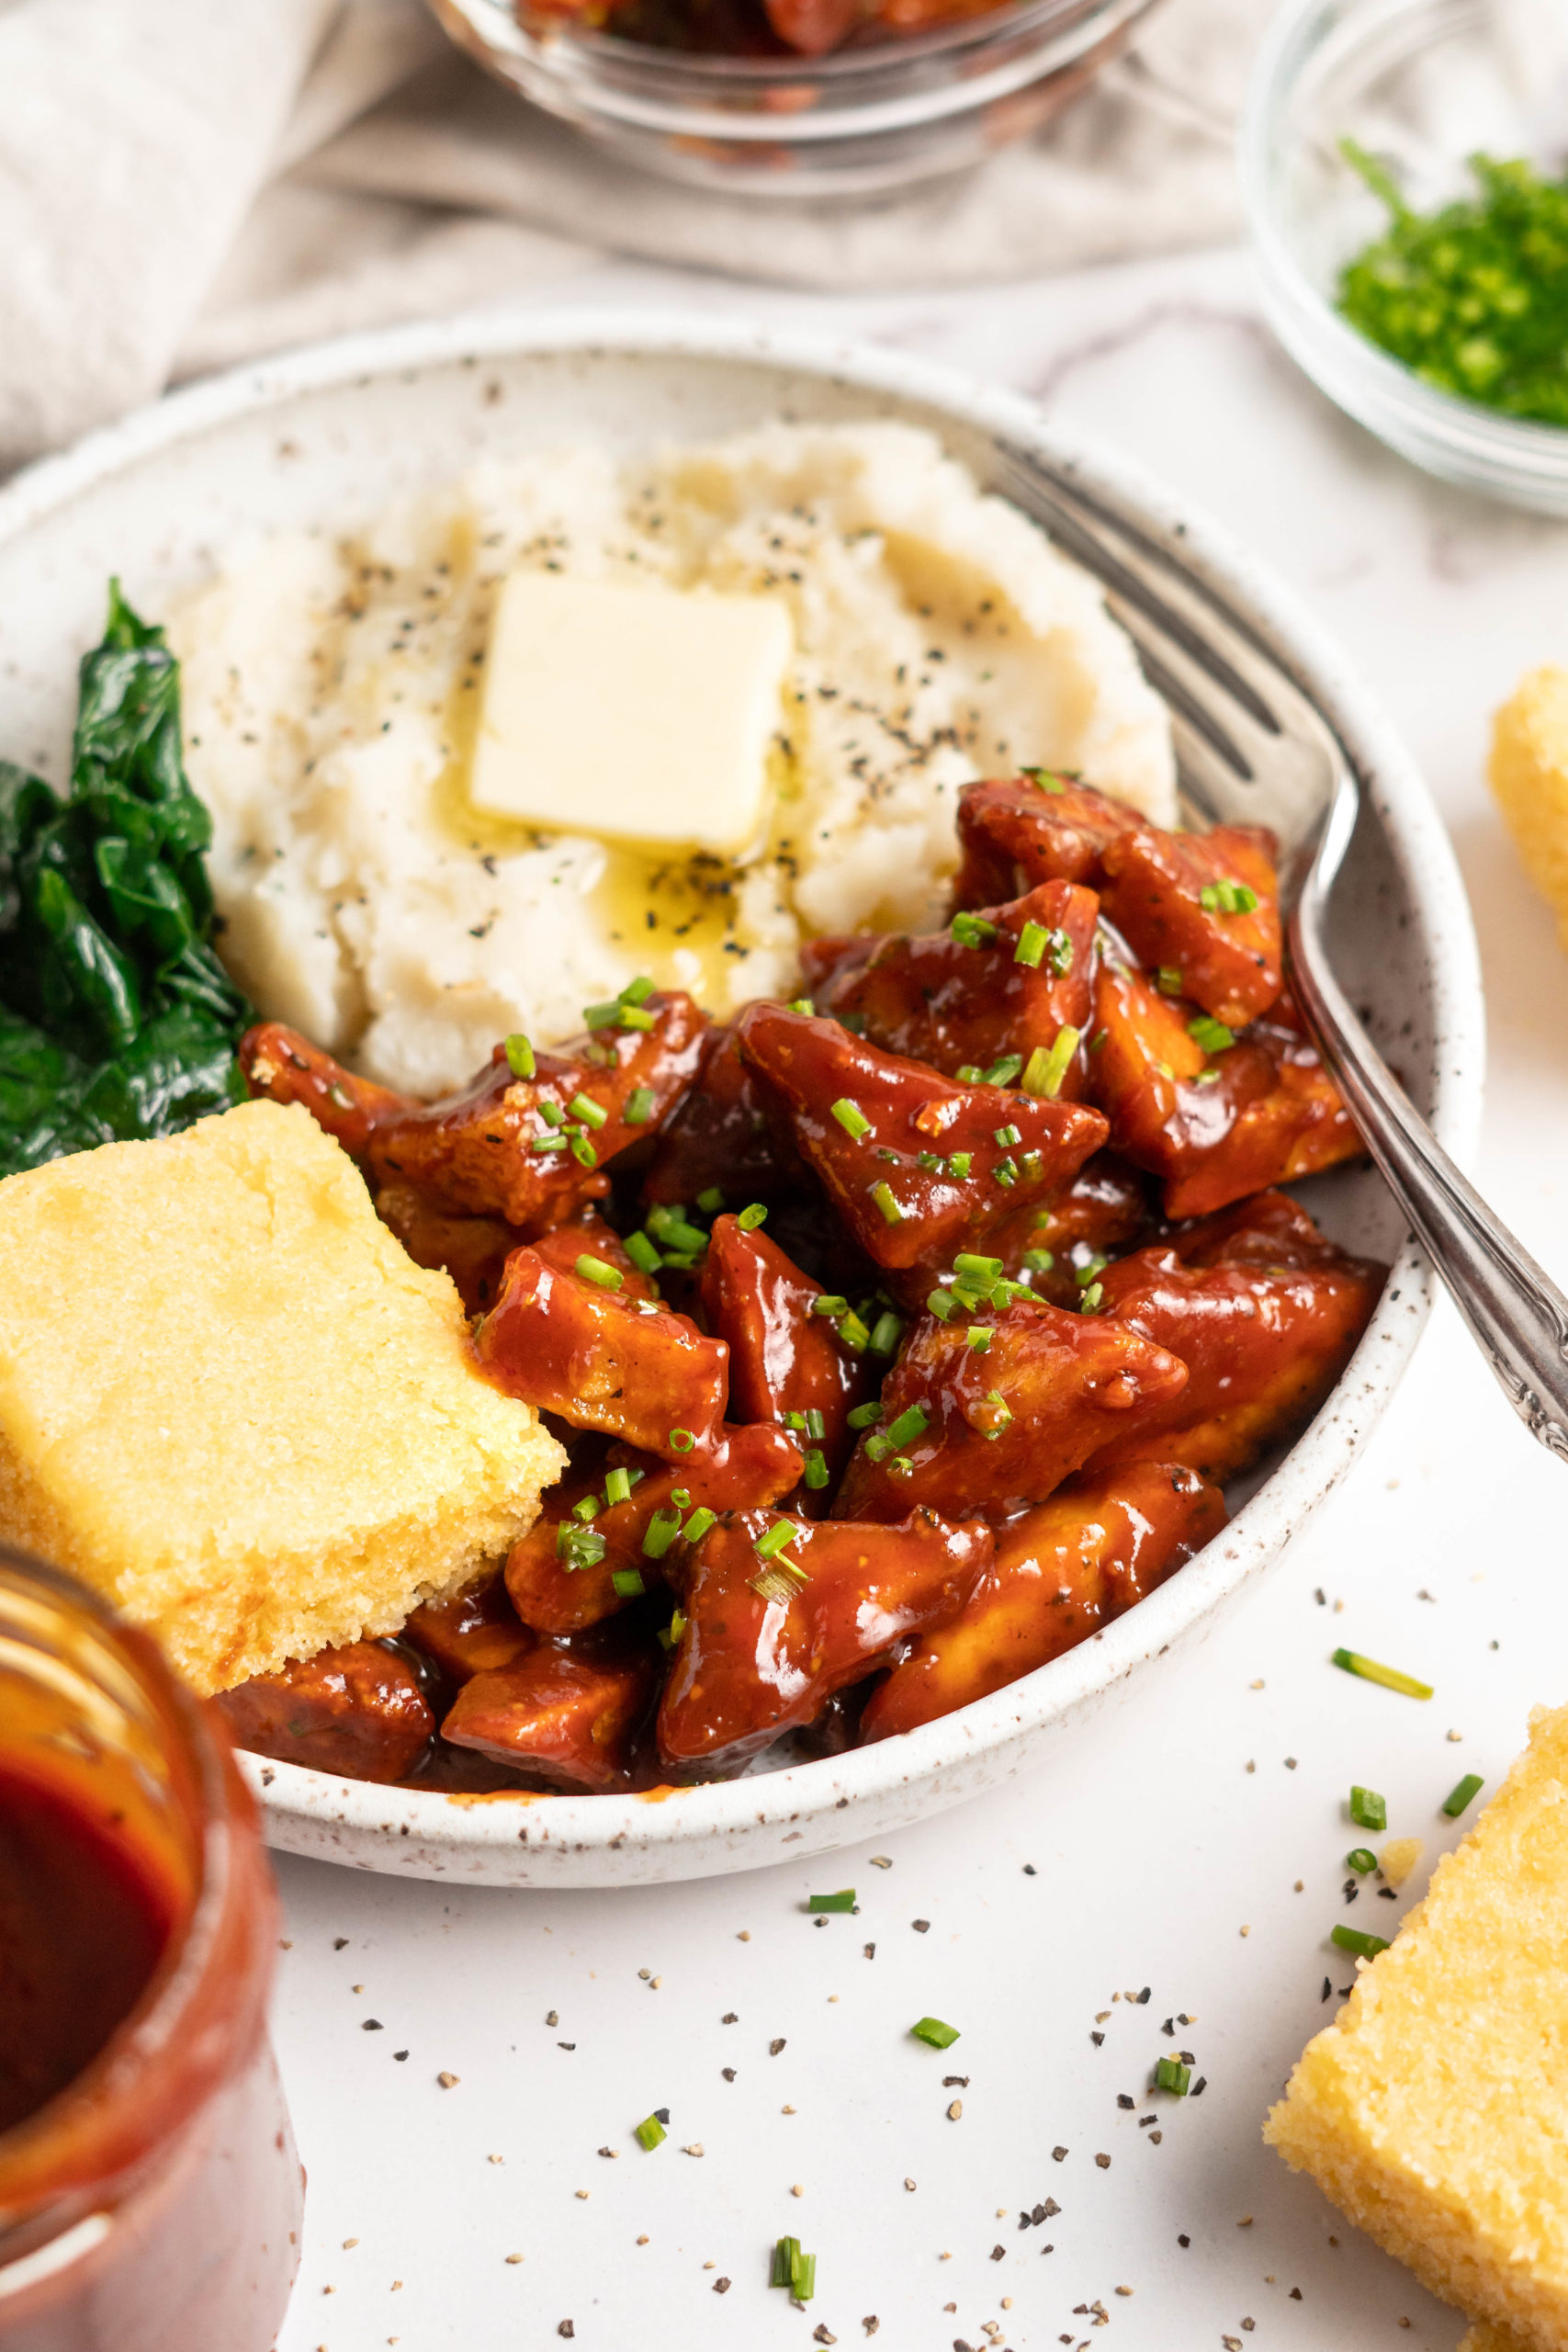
(150, 2192)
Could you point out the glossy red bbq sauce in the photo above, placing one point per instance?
(83, 1921)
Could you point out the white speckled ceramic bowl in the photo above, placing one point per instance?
(323, 437)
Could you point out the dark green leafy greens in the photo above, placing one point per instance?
(116, 1020)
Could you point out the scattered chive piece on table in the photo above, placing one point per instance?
(1462, 1794)
(1362, 1859)
(843, 1901)
(650, 2132)
(1170, 2075)
(933, 2030)
(520, 1055)
(1352, 1662)
(1367, 1809)
(1473, 296)
(1352, 1940)
(794, 2269)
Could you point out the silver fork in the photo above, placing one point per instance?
(1251, 747)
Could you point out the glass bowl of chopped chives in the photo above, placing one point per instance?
(1405, 167)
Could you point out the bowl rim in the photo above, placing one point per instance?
(1483, 446)
(312, 1809)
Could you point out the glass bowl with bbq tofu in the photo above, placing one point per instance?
(900, 1335)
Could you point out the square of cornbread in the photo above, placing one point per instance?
(1434, 2109)
(232, 1402)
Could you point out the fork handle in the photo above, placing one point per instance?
(1513, 1309)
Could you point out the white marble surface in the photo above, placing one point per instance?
(1160, 1859)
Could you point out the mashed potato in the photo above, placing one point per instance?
(332, 692)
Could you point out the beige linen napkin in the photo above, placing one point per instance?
(184, 183)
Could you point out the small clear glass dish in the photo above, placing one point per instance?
(876, 114)
(1421, 84)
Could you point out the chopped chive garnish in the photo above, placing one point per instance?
(1367, 1809)
(942, 1303)
(885, 1333)
(1006, 1172)
(795, 1422)
(930, 1160)
(711, 1201)
(629, 1583)
(932, 2030)
(660, 1533)
(1083, 1275)
(552, 1114)
(960, 1162)
(830, 1302)
(843, 1901)
(1352, 1940)
(586, 1509)
(698, 1526)
(671, 1228)
(602, 1275)
(1167, 979)
(1061, 952)
(681, 1497)
(984, 1270)
(650, 2132)
(850, 1117)
(782, 1533)
(1002, 1073)
(583, 1151)
(1390, 1677)
(816, 1471)
(637, 992)
(1170, 2075)
(642, 1253)
(969, 1073)
(854, 1333)
(618, 1486)
(1032, 942)
(634, 1017)
(681, 1440)
(520, 1055)
(1362, 1859)
(973, 930)
(910, 1425)
(752, 1218)
(548, 1143)
(1000, 1412)
(579, 1547)
(1044, 779)
(1007, 1136)
(1227, 899)
(816, 1425)
(604, 1016)
(861, 1417)
(640, 1107)
(591, 1113)
(978, 1336)
(803, 1005)
(1048, 1066)
(1462, 1794)
(670, 1635)
(1039, 1261)
(1212, 1035)
(883, 1195)
(1091, 1298)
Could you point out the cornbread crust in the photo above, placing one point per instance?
(1484, 2337)
(232, 1402)
(1432, 2110)
(1528, 775)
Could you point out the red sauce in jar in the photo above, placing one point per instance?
(84, 1922)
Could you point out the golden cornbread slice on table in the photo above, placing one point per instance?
(1484, 2337)
(1434, 2111)
(230, 1401)
(1528, 775)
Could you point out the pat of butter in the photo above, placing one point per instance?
(643, 713)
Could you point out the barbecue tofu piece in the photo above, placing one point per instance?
(232, 1403)
(1431, 2109)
